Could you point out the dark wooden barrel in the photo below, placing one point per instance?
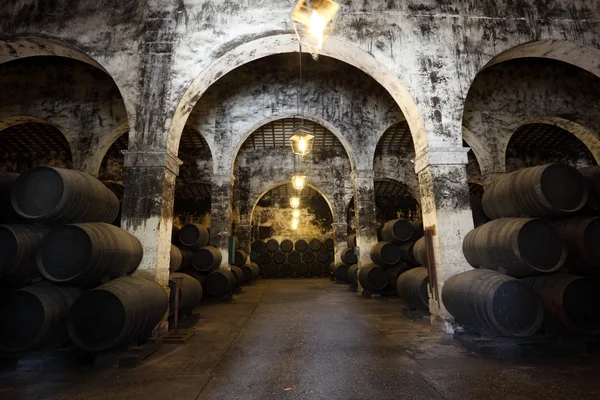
(84, 254)
(238, 273)
(353, 274)
(199, 276)
(117, 313)
(301, 269)
(301, 245)
(240, 258)
(190, 292)
(412, 287)
(272, 245)
(287, 245)
(520, 246)
(329, 244)
(207, 258)
(591, 175)
(582, 235)
(327, 268)
(258, 246)
(34, 316)
(220, 282)
(186, 258)
(175, 236)
(419, 230)
(385, 253)
(175, 259)
(7, 214)
(544, 191)
(323, 257)
(316, 269)
(397, 231)
(341, 271)
(248, 272)
(119, 190)
(18, 249)
(265, 258)
(372, 277)
(315, 245)
(407, 253)
(349, 257)
(419, 252)
(254, 256)
(272, 270)
(572, 302)
(59, 196)
(351, 241)
(308, 257)
(379, 237)
(287, 269)
(255, 270)
(294, 257)
(279, 257)
(194, 236)
(493, 304)
(479, 217)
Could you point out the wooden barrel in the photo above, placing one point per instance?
(194, 236)
(572, 302)
(308, 257)
(301, 245)
(412, 287)
(315, 245)
(248, 272)
(349, 257)
(287, 245)
(272, 245)
(119, 191)
(397, 231)
(544, 191)
(582, 235)
(18, 249)
(255, 270)
(407, 253)
(316, 269)
(272, 270)
(591, 176)
(240, 258)
(7, 214)
(353, 274)
(340, 271)
(238, 273)
(479, 217)
(301, 269)
(35, 316)
(323, 257)
(84, 254)
(419, 252)
(190, 292)
(220, 282)
(175, 259)
(287, 269)
(329, 244)
(279, 257)
(59, 196)
(207, 258)
(419, 230)
(199, 276)
(117, 313)
(372, 277)
(520, 246)
(385, 253)
(294, 257)
(265, 259)
(379, 237)
(258, 246)
(186, 258)
(254, 256)
(351, 241)
(175, 236)
(493, 304)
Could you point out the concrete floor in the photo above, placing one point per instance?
(312, 339)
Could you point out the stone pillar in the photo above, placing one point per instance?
(220, 214)
(340, 230)
(365, 214)
(244, 234)
(446, 207)
(242, 197)
(148, 211)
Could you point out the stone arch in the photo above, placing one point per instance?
(259, 48)
(104, 147)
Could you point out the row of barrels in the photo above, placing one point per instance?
(286, 245)
(294, 257)
(302, 269)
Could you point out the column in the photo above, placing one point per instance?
(220, 214)
(446, 208)
(243, 230)
(244, 234)
(340, 230)
(365, 214)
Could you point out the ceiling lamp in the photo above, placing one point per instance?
(294, 224)
(294, 201)
(313, 22)
(302, 140)
(296, 214)
(298, 181)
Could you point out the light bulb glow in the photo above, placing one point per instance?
(296, 214)
(294, 202)
(298, 181)
(295, 224)
(302, 145)
(316, 27)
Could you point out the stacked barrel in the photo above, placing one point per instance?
(65, 268)
(537, 260)
(305, 258)
(346, 270)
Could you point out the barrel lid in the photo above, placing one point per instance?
(541, 246)
(378, 278)
(517, 309)
(217, 283)
(203, 259)
(563, 187)
(190, 235)
(38, 192)
(64, 253)
(301, 269)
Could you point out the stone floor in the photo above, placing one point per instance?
(312, 339)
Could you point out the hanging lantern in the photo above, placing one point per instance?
(296, 214)
(294, 201)
(295, 224)
(302, 141)
(313, 22)
(298, 181)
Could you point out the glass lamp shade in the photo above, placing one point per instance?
(313, 22)
(298, 181)
(294, 201)
(302, 141)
